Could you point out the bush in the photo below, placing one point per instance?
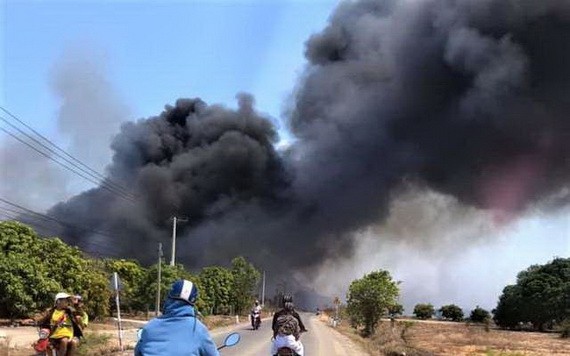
(424, 311)
(369, 298)
(540, 297)
(565, 329)
(479, 315)
(451, 312)
(395, 310)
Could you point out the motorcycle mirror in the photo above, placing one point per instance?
(231, 339)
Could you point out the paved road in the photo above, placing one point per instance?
(320, 340)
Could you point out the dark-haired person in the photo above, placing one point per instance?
(287, 328)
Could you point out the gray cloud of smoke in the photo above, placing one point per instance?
(464, 98)
(89, 115)
(91, 111)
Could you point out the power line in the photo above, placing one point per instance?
(50, 142)
(93, 176)
(92, 180)
(47, 217)
(46, 225)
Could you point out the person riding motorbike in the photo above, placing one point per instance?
(177, 331)
(64, 331)
(255, 315)
(79, 311)
(287, 328)
(287, 311)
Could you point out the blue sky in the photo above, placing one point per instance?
(154, 52)
(157, 51)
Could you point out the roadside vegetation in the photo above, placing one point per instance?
(532, 317)
(34, 269)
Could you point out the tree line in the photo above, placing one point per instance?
(540, 300)
(33, 269)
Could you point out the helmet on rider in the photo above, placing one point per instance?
(256, 302)
(184, 290)
(61, 295)
(287, 298)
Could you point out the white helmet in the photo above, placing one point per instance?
(61, 295)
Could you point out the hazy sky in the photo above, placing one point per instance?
(144, 55)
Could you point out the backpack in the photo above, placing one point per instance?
(287, 325)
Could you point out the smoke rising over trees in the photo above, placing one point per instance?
(464, 97)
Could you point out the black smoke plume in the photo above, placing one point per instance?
(465, 97)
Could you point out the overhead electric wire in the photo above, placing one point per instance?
(37, 219)
(59, 163)
(93, 180)
(50, 142)
(93, 176)
(47, 217)
(85, 246)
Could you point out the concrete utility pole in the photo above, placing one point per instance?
(174, 221)
(157, 309)
(118, 303)
(263, 291)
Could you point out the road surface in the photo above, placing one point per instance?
(320, 340)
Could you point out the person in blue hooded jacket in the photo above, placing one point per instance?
(177, 331)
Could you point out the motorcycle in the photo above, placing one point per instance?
(42, 346)
(255, 320)
(285, 351)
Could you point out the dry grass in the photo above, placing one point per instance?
(436, 338)
(218, 321)
(99, 344)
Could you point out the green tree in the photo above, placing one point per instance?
(132, 275)
(541, 296)
(33, 269)
(169, 274)
(451, 312)
(369, 298)
(479, 315)
(424, 311)
(215, 288)
(25, 282)
(97, 292)
(395, 310)
(75, 273)
(245, 279)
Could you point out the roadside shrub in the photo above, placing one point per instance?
(424, 311)
(565, 329)
(479, 315)
(452, 312)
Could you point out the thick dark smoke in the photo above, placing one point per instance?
(465, 97)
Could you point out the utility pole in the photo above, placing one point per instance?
(157, 309)
(175, 220)
(263, 291)
(117, 288)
